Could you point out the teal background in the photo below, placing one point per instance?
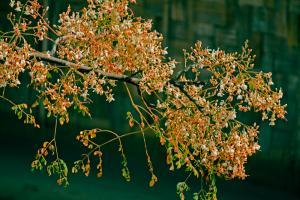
(273, 30)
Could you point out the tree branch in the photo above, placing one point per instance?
(49, 58)
(112, 76)
(181, 88)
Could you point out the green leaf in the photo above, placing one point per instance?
(20, 115)
(48, 76)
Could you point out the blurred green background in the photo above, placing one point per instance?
(273, 30)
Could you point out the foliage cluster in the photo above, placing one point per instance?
(197, 113)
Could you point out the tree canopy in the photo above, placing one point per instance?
(196, 114)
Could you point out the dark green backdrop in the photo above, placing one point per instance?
(273, 30)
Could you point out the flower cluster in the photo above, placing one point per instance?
(38, 73)
(104, 36)
(213, 138)
(13, 61)
(107, 37)
(31, 9)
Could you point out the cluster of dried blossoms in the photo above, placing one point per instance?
(197, 113)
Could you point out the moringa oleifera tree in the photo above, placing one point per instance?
(104, 45)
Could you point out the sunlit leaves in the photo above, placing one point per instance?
(59, 168)
(47, 158)
(181, 188)
(87, 138)
(21, 110)
(153, 180)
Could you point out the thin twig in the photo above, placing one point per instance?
(181, 88)
(53, 50)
